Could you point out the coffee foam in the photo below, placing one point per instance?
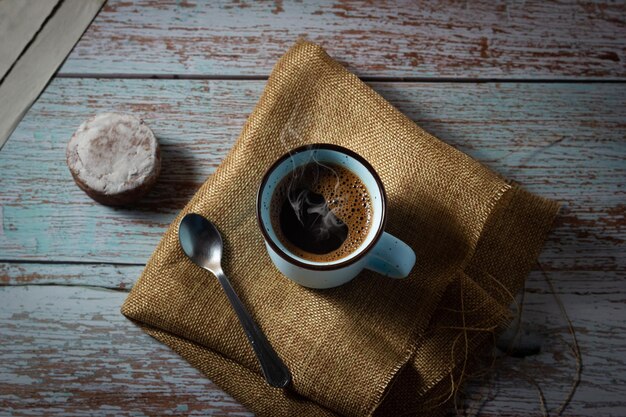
(346, 196)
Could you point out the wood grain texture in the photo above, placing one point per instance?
(430, 39)
(117, 277)
(65, 348)
(68, 350)
(597, 314)
(562, 141)
(123, 277)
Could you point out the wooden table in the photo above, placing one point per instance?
(534, 90)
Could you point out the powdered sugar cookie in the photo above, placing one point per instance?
(114, 158)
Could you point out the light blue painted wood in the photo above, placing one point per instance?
(563, 141)
(118, 277)
(401, 38)
(123, 277)
(69, 351)
(202, 116)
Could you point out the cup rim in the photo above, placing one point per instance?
(321, 267)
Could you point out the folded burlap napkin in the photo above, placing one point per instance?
(375, 345)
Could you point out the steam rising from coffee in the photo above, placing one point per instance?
(305, 203)
(321, 211)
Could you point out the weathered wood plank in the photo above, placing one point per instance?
(67, 350)
(598, 321)
(563, 141)
(122, 277)
(478, 39)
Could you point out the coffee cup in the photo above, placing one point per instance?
(299, 242)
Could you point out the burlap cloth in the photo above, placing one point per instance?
(375, 345)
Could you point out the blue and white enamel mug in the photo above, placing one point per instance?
(379, 252)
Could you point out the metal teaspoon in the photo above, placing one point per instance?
(202, 243)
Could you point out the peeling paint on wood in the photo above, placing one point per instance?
(65, 348)
(122, 277)
(477, 39)
(69, 351)
(563, 141)
(119, 277)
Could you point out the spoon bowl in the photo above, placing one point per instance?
(201, 241)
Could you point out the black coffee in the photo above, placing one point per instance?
(321, 212)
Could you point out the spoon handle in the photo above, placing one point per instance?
(275, 371)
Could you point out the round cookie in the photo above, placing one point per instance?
(114, 158)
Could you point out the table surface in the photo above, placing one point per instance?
(534, 90)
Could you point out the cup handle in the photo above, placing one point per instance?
(391, 257)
